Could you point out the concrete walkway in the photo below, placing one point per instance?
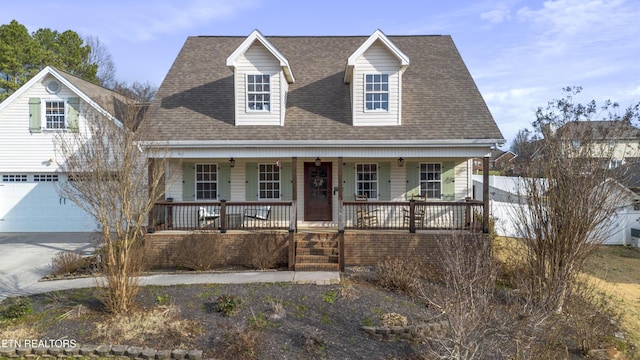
(25, 258)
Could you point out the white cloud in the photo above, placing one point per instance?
(497, 16)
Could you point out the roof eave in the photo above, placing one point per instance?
(326, 143)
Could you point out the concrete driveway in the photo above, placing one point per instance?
(26, 257)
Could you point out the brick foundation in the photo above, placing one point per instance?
(360, 248)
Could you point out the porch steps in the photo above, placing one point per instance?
(319, 252)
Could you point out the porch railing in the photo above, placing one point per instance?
(353, 215)
(223, 215)
(413, 215)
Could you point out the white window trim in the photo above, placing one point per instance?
(377, 179)
(279, 182)
(440, 181)
(195, 180)
(43, 114)
(246, 93)
(364, 93)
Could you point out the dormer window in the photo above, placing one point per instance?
(376, 92)
(258, 92)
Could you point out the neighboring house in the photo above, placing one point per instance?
(315, 120)
(51, 103)
(617, 140)
(499, 160)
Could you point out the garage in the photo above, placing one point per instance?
(30, 203)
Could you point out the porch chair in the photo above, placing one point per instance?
(257, 213)
(206, 218)
(419, 212)
(364, 215)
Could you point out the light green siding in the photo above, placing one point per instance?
(413, 179)
(251, 172)
(73, 115)
(448, 181)
(384, 181)
(349, 180)
(34, 115)
(188, 182)
(286, 186)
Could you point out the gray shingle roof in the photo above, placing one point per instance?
(107, 99)
(439, 100)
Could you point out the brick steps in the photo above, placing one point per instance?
(318, 253)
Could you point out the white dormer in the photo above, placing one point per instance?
(374, 72)
(261, 80)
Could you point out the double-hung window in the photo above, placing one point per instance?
(376, 92)
(206, 181)
(269, 181)
(367, 180)
(54, 114)
(431, 180)
(258, 92)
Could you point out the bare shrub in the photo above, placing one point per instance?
(241, 341)
(464, 294)
(393, 319)
(570, 192)
(199, 251)
(399, 274)
(277, 310)
(163, 322)
(67, 262)
(314, 344)
(264, 250)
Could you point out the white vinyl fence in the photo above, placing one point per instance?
(624, 228)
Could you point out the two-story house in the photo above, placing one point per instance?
(313, 121)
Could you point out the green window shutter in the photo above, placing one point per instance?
(74, 113)
(34, 115)
(286, 186)
(349, 178)
(448, 181)
(224, 181)
(251, 172)
(188, 182)
(413, 179)
(384, 181)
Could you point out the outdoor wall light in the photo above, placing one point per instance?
(400, 162)
(232, 162)
(318, 161)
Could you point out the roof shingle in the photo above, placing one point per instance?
(440, 100)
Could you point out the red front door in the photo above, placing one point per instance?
(317, 192)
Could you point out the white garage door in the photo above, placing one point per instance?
(35, 206)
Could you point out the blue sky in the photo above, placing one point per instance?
(520, 53)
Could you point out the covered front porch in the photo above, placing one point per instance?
(432, 192)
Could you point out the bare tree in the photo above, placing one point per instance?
(100, 56)
(571, 194)
(109, 178)
(141, 92)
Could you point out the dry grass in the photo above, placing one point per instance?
(613, 269)
(616, 270)
(159, 322)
